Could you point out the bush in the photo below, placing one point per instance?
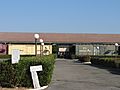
(18, 75)
(73, 56)
(9, 56)
(84, 58)
(108, 62)
(4, 56)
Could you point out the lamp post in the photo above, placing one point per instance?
(98, 50)
(42, 47)
(41, 41)
(36, 36)
(116, 45)
(88, 51)
(116, 49)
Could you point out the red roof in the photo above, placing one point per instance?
(59, 37)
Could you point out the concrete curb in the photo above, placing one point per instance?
(86, 62)
(42, 88)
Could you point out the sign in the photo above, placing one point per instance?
(36, 68)
(15, 56)
(3, 49)
(33, 70)
(62, 49)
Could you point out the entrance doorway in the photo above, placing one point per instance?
(66, 51)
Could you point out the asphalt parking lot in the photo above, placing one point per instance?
(73, 75)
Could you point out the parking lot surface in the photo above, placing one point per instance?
(73, 75)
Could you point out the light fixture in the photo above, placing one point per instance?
(116, 44)
(36, 36)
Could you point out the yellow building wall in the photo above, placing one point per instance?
(28, 49)
(48, 48)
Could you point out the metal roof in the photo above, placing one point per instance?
(59, 37)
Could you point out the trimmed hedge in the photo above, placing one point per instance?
(9, 56)
(18, 75)
(5, 56)
(108, 62)
(84, 58)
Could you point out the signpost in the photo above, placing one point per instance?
(33, 70)
(15, 56)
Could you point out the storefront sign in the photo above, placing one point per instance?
(15, 56)
(62, 49)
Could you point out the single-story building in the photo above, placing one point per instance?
(62, 43)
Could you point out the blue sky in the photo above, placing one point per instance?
(60, 16)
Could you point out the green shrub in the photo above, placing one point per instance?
(84, 58)
(18, 75)
(55, 55)
(73, 56)
(4, 56)
(109, 62)
(9, 56)
(7, 75)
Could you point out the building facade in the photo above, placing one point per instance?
(29, 49)
(95, 49)
(66, 43)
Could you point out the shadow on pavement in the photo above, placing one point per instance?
(111, 70)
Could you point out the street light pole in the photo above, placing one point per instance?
(35, 46)
(36, 36)
(116, 47)
(98, 50)
(42, 47)
(41, 41)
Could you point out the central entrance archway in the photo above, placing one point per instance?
(64, 50)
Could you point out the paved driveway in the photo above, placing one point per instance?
(72, 75)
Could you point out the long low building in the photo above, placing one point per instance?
(65, 43)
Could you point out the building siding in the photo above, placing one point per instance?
(94, 49)
(28, 49)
